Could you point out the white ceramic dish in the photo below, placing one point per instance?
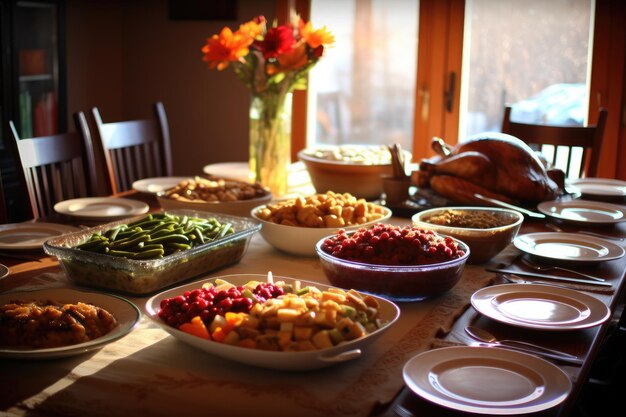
(126, 313)
(101, 208)
(293, 361)
(157, 184)
(4, 271)
(30, 235)
(598, 188)
(486, 380)
(301, 241)
(543, 307)
(235, 208)
(234, 170)
(584, 212)
(568, 247)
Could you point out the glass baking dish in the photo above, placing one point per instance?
(141, 277)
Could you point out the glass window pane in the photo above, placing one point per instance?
(363, 89)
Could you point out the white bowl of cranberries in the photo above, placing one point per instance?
(399, 263)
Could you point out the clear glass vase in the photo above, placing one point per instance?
(270, 140)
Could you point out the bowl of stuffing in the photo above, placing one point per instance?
(486, 230)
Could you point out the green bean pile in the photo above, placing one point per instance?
(155, 236)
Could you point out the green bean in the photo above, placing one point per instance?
(156, 235)
(145, 247)
(130, 243)
(171, 239)
(149, 254)
(177, 246)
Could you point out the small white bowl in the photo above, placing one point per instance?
(302, 240)
(235, 208)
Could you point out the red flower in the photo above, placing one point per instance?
(277, 41)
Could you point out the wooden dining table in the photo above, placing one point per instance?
(149, 373)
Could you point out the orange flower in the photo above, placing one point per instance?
(221, 49)
(315, 38)
(253, 28)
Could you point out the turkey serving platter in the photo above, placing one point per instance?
(569, 247)
(584, 212)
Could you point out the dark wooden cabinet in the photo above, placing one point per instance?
(33, 90)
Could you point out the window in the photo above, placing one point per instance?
(363, 90)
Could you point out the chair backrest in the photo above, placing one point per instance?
(57, 167)
(588, 139)
(4, 216)
(135, 149)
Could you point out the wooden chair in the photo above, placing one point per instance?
(4, 216)
(135, 149)
(564, 139)
(57, 167)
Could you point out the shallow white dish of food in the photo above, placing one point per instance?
(301, 241)
(4, 271)
(30, 235)
(598, 188)
(101, 208)
(292, 361)
(584, 212)
(157, 184)
(486, 380)
(543, 307)
(126, 313)
(568, 247)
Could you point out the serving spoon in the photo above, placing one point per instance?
(484, 336)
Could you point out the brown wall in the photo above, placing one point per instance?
(124, 55)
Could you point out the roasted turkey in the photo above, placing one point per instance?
(495, 165)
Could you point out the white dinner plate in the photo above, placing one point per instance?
(233, 170)
(4, 271)
(600, 187)
(537, 306)
(30, 235)
(157, 184)
(126, 313)
(486, 380)
(584, 212)
(101, 208)
(568, 247)
(292, 361)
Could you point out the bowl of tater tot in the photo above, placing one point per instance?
(295, 225)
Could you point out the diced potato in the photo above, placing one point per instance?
(302, 332)
(349, 329)
(337, 297)
(286, 326)
(218, 321)
(306, 319)
(322, 340)
(232, 338)
(285, 339)
(297, 304)
(335, 336)
(287, 314)
(331, 305)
